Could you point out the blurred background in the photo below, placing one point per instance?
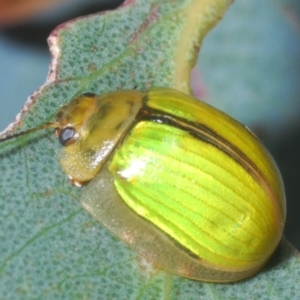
(249, 68)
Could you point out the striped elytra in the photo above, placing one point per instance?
(192, 190)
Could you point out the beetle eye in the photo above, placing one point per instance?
(66, 136)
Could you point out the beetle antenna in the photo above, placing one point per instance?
(15, 135)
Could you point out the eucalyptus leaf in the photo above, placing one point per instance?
(50, 247)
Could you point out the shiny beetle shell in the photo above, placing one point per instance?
(187, 186)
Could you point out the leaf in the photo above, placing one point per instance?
(50, 247)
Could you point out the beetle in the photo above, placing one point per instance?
(188, 187)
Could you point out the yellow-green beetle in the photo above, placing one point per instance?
(187, 186)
